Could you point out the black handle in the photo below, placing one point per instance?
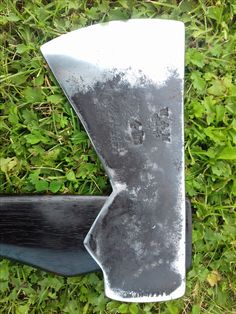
(48, 231)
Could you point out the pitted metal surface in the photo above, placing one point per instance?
(134, 117)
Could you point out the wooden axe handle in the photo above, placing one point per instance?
(48, 231)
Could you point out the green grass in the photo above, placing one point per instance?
(44, 149)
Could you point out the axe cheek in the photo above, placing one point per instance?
(129, 97)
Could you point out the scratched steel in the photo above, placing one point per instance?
(125, 82)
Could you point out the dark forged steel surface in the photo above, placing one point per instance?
(135, 236)
(136, 126)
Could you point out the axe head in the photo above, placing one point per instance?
(124, 79)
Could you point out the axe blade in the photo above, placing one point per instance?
(125, 82)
